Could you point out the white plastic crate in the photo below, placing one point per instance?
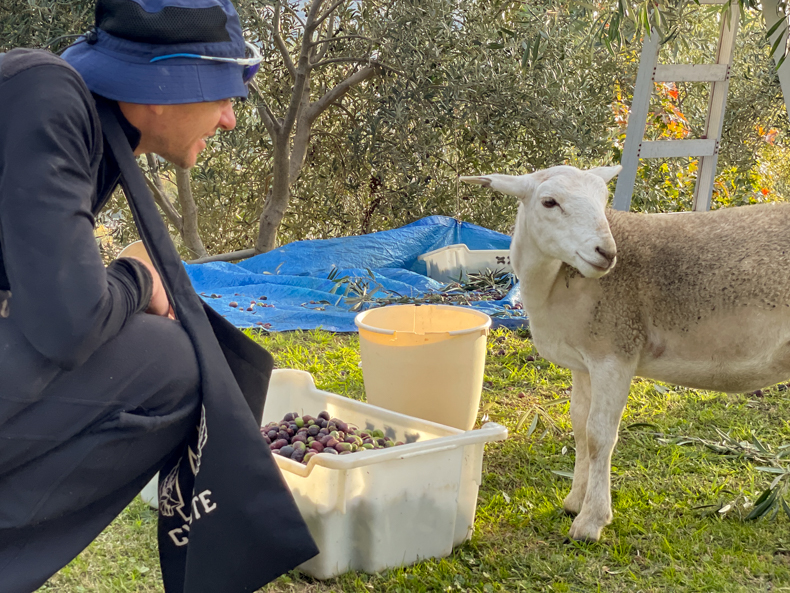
(454, 262)
(381, 508)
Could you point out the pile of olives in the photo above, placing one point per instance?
(301, 437)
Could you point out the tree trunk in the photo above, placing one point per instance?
(276, 202)
(189, 215)
(160, 195)
(291, 133)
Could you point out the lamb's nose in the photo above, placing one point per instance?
(607, 255)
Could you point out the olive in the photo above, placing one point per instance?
(287, 451)
(313, 430)
(233, 304)
(308, 456)
(331, 442)
(272, 434)
(340, 447)
(283, 434)
(329, 450)
(324, 415)
(299, 422)
(298, 445)
(279, 443)
(316, 446)
(290, 416)
(298, 455)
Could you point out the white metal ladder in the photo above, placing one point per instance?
(707, 148)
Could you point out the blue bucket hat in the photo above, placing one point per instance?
(115, 58)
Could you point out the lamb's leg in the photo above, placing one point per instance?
(609, 385)
(580, 407)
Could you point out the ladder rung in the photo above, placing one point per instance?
(691, 73)
(676, 148)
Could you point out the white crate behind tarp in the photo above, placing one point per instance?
(456, 262)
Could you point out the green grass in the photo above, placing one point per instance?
(660, 539)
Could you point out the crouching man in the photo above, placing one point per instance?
(99, 384)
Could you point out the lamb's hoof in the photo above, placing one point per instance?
(586, 530)
(572, 504)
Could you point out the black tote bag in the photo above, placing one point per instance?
(227, 520)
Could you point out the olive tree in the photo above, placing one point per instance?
(307, 39)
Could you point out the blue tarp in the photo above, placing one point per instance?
(291, 287)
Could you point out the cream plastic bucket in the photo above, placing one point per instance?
(425, 361)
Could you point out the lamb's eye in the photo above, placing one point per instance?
(550, 203)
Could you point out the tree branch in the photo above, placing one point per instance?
(164, 203)
(343, 38)
(302, 80)
(190, 233)
(329, 11)
(370, 61)
(318, 55)
(341, 61)
(278, 41)
(331, 96)
(269, 120)
(294, 13)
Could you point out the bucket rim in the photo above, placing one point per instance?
(484, 317)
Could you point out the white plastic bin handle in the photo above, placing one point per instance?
(426, 451)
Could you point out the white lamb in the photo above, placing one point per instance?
(694, 299)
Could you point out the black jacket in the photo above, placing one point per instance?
(54, 179)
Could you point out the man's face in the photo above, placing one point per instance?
(178, 132)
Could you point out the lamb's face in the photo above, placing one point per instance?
(562, 213)
(565, 216)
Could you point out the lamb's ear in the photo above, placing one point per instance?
(606, 173)
(513, 185)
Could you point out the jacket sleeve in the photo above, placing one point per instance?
(66, 303)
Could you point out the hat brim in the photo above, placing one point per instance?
(167, 82)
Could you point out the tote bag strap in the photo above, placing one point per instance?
(229, 548)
